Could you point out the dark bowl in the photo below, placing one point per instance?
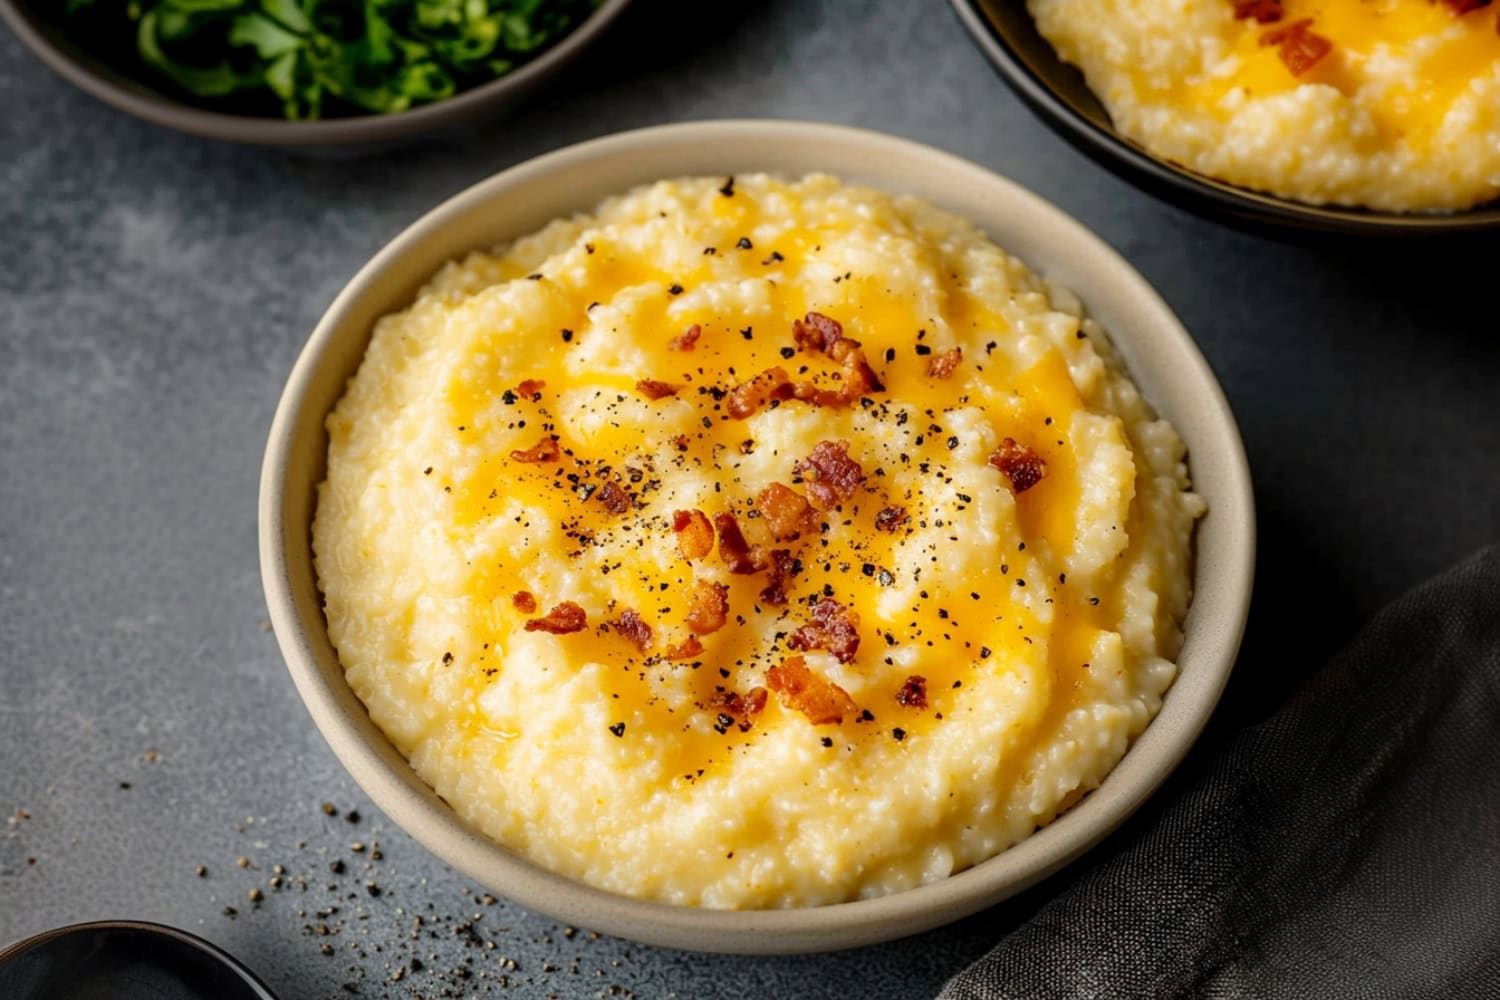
(49, 41)
(1056, 91)
(123, 960)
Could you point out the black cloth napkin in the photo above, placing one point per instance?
(1347, 846)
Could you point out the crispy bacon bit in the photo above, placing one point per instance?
(737, 554)
(523, 601)
(942, 365)
(822, 701)
(695, 536)
(685, 340)
(1264, 11)
(545, 450)
(1299, 48)
(633, 627)
(1018, 463)
(851, 355)
(859, 378)
(830, 474)
(685, 650)
(782, 567)
(562, 619)
(727, 700)
(748, 397)
(891, 518)
(913, 693)
(786, 512)
(654, 390)
(615, 498)
(708, 607)
(743, 709)
(833, 628)
(531, 388)
(821, 335)
(808, 392)
(816, 332)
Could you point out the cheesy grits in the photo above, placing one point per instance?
(1388, 104)
(753, 543)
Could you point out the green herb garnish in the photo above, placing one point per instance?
(318, 58)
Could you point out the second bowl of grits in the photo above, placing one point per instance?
(755, 551)
(1375, 117)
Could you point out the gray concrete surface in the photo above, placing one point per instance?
(154, 290)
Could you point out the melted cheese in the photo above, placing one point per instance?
(1449, 54)
(1031, 405)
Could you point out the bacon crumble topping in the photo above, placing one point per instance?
(545, 450)
(833, 628)
(684, 650)
(913, 693)
(748, 397)
(685, 340)
(798, 688)
(943, 365)
(1300, 48)
(786, 512)
(830, 474)
(1263, 11)
(633, 627)
(1018, 463)
(817, 334)
(531, 388)
(524, 602)
(891, 519)
(742, 710)
(708, 607)
(616, 499)
(695, 536)
(821, 334)
(737, 554)
(654, 390)
(782, 568)
(562, 619)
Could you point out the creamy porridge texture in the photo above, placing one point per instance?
(753, 543)
(1390, 104)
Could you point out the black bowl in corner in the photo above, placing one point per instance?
(1056, 91)
(123, 959)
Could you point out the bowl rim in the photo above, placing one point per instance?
(149, 104)
(1222, 597)
(1198, 193)
(187, 939)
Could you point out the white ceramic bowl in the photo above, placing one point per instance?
(1161, 356)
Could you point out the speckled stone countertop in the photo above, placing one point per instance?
(154, 290)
